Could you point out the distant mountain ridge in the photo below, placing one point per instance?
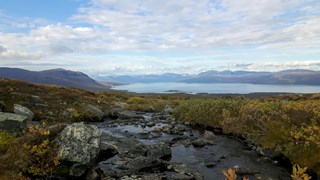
(291, 76)
(60, 77)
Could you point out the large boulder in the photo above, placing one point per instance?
(18, 109)
(79, 144)
(10, 121)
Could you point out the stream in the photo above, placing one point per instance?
(204, 152)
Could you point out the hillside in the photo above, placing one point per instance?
(55, 76)
(298, 76)
(295, 76)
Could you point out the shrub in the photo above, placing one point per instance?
(32, 154)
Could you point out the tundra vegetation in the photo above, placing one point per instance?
(287, 124)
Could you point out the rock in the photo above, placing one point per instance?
(156, 130)
(161, 151)
(36, 99)
(124, 114)
(144, 132)
(122, 167)
(167, 129)
(18, 109)
(125, 147)
(185, 170)
(150, 124)
(210, 164)
(11, 122)
(245, 171)
(201, 143)
(178, 176)
(96, 112)
(77, 169)
(208, 135)
(168, 109)
(78, 144)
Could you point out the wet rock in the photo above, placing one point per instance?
(129, 115)
(210, 164)
(127, 166)
(126, 147)
(208, 135)
(97, 113)
(245, 171)
(11, 122)
(201, 143)
(18, 109)
(185, 170)
(156, 130)
(167, 129)
(144, 132)
(161, 151)
(78, 144)
(150, 124)
(178, 176)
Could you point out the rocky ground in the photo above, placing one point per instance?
(155, 146)
(135, 145)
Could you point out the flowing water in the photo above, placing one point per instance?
(225, 151)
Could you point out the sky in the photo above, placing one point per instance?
(116, 37)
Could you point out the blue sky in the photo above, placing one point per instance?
(158, 36)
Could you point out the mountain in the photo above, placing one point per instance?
(167, 77)
(291, 76)
(59, 77)
(295, 76)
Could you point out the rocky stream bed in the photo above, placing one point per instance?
(155, 146)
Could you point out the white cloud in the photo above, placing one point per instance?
(217, 30)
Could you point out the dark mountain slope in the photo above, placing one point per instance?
(55, 76)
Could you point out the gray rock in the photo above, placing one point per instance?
(144, 132)
(11, 122)
(123, 167)
(78, 143)
(18, 109)
(161, 151)
(125, 147)
(208, 135)
(178, 176)
(168, 109)
(210, 164)
(77, 169)
(201, 143)
(156, 130)
(185, 170)
(36, 99)
(129, 115)
(96, 112)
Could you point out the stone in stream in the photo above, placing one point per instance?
(210, 164)
(185, 170)
(144, 132)
(208, 135)
(18, 109)
(125, 147)
(201, 143)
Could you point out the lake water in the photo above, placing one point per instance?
(218, 88)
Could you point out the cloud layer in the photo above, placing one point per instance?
(201, 33)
